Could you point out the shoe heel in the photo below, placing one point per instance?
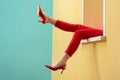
(62, 71)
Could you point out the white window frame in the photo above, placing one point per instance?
(98, 38)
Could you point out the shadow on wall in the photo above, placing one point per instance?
(93, 58)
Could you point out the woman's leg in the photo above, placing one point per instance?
(78, 36)
(59, 24)
(73, 45)
(65, 26)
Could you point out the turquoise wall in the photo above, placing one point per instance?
(25, 44)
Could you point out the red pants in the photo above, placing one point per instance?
(80, 32)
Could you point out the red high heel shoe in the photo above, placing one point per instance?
(42, 15)
(56, 68)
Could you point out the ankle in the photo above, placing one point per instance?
(48, 18)
(59, 63)
(51, 20)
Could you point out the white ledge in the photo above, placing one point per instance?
(93, 39)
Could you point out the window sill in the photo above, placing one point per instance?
(94, 39)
